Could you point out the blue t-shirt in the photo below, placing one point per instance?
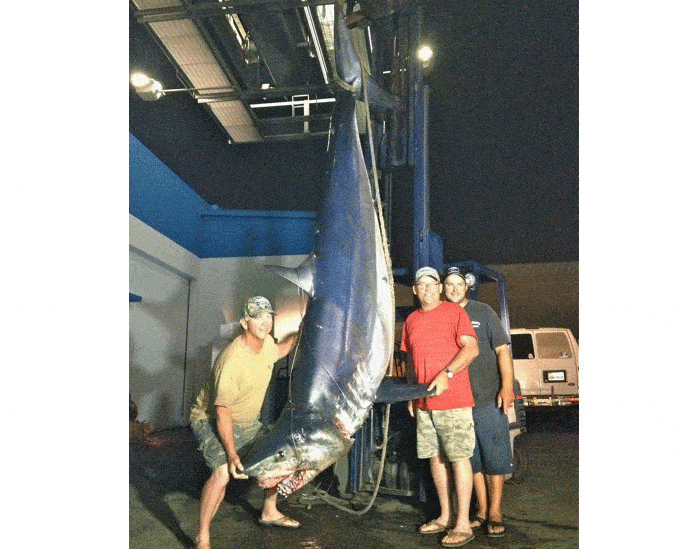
(485, 377)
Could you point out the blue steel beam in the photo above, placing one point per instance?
(419, 99)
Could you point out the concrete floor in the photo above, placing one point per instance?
(167, 474)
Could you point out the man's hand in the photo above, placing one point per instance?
(236, 467)
(411, 408)
(440, 382)
(505, 399)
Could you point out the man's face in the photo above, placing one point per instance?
(455, 288)
(260, 326)
(427, 291)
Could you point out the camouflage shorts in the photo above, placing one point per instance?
(447, 433)
(211, 446)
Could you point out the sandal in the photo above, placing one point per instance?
(457, 539)
(482, 522)
(432, 527)
(495, 524)
(281, 522)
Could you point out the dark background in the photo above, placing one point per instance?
(503, 137)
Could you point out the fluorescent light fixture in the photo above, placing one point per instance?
(296, 102)
(316, 42)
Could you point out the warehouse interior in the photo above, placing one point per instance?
(258, 77)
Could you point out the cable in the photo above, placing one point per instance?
(334, 502)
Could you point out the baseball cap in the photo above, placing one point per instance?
(427, 271)
(455, 271)
(469, 278)
(256, 305)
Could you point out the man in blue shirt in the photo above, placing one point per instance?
(491, 379)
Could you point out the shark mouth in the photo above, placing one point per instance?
(292, 483)
(288, 484)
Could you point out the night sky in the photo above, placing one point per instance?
(504, 130)
(503, 138)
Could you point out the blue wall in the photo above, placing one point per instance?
(159, 198)
(238, 233)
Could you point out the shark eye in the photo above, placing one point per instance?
(280, 455)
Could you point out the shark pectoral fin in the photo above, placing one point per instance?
(301, 276)
(393, 389)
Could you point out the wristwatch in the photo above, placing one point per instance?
(449, 373)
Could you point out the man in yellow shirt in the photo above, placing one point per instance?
(225, 418)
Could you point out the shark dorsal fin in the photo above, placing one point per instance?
(301, 276)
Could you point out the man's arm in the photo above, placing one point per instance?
(462, 360)
(410, 378)
(225, 427)
(505, 397)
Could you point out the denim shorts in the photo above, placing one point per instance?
(493, 454)
(447, 433)
(210, 444)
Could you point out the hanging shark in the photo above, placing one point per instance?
(347, 332)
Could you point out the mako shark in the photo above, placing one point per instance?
(347, 333)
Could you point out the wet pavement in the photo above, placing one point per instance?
(167, 474)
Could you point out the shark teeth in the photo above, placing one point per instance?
(292, 483)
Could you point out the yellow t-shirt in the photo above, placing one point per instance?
(239, 382)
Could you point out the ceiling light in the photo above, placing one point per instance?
(149, 89)
(139, 79)
(146, 88)
(424, 54)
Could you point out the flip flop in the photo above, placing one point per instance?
(281, 522)
(460, 541)
(482, 522)
(495, 524)
(432, 527)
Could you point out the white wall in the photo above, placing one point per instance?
(157, 340)
(218, 289)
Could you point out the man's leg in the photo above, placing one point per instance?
(480, 486)
(462, 472)
(440, 476)
(492, 430)
(428, 448)
(459, 441)
(210, 499)
(270, 513)
(495, 486)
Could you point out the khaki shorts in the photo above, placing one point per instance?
(447, 433)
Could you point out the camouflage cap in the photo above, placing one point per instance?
(256, 305)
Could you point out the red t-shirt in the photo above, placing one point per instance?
(433, 339)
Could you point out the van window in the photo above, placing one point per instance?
(553, 345)
(522, 346)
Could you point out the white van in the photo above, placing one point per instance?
(546, 365)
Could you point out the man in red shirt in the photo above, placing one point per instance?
(441, 343)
